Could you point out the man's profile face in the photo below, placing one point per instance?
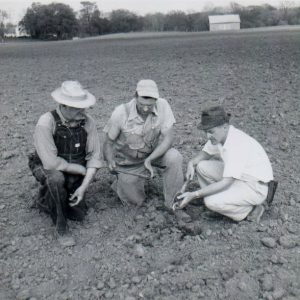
(145, 105)
(218, 134)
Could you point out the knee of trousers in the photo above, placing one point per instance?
(203, 168)
(56, 178)
(126, 179)
(173, 157)
(213, 203)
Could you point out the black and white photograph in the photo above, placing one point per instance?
(150, 150)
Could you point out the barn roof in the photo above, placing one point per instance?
(224, 19)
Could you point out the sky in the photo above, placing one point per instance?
(17, 8)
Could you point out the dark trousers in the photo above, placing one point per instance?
(54, 193)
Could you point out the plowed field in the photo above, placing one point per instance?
(129, 253)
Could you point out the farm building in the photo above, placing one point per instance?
(224, 22)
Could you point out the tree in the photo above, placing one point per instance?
(65, 24)
(89, 15)
(286, 11)
(269, 15)
(154, 22)
(176, 21)
(10, 28)
(3, 17)
(53, 21)
(197, 21)
(125, 21)
(100, 25)
(235, 8)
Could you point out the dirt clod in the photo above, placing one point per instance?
(268, 242)
(267, 283)
(287, 242)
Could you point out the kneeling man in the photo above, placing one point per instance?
(67, 154)
(139, 135)
(233, 169)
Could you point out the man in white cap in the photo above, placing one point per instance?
(139, 135)
(67, 154)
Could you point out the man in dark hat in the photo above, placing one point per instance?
(67, 155)
(233, 169)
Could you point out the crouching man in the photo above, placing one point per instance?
(67, 155)
(139, 136)
(233, 169)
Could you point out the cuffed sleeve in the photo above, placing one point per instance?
(93, 149)
(114, 124)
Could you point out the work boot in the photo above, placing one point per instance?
(256, 214)
(66, 240)
(61, 226)
(63, 236)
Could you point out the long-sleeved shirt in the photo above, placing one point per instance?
(47, 151)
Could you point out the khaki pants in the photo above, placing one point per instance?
(238, 200)
(130, 188)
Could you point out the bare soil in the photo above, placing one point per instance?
(144, 253)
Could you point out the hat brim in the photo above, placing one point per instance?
(205, 127)
(60, 98)
(150, 94)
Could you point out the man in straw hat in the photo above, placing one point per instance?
(67, 154)
(139, 135)
(233, 170)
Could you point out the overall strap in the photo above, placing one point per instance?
(57, 120)
(56, 116)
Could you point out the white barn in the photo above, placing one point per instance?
(224, 22)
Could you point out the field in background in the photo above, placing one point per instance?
(128, 253)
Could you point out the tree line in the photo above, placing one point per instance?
(60, 21)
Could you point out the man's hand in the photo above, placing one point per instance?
(190, 172)
(187, 198)
(77, 196)
(148, 166)
(112, 165)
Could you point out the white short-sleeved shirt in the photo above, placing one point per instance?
(244, 158)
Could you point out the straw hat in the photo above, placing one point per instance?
(72, 94)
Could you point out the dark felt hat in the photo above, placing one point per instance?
(213, 117)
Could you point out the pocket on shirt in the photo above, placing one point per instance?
(134, 141)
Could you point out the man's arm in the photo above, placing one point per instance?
(211, 189)
(193, 162)
(161, 149)
(75, 169)
(201, 156)
(108, 152)
(93, 147)
(79, 193)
